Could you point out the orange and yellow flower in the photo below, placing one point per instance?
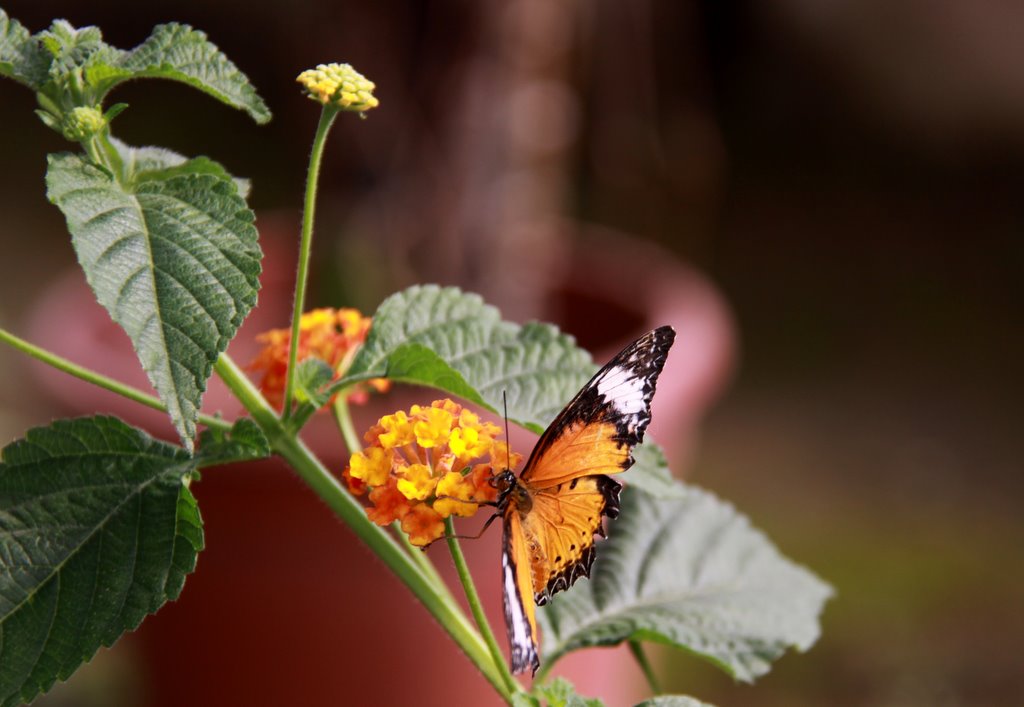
(425, 465)
(332, 335)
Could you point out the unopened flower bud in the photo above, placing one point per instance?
(339, 85)
(82, 123)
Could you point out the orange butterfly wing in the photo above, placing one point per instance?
(560, 529)
(580, 449)
(550, 522)
(598, 429)
(520, 614)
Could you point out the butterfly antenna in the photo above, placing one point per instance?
(508, 438)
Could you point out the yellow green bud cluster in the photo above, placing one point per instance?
(340, 85)
(82, 122)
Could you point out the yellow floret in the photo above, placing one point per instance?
(416, 482)
(371, 466)
(433, 427)
(450, 489)
(399, 430)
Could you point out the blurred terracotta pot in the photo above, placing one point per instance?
(286, 606)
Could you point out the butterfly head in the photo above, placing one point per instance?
(504, 481)
(509, 489)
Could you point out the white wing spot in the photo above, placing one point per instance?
(624, 390)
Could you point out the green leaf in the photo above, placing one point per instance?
(175, 262)
(690, 573)
(312, 376)
(180, 53)
(561, 693)
(158, 163)
(97, 530)
(313, 390)
(417, 364)
(113, 111)
(245, 441)
(62, 39)
(22, 58)
(72, 66)
(673, 701)
(451, 340)
(74, 48)
(540, 368)
(654, 477)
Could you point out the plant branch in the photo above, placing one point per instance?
(327, 487)
(476, 608)
(327, 116)
(98, 379)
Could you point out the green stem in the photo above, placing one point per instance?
(327, 487)
(113, 157)
(126, 391)
(327, 117)
(419, 556)
(94, 152)
(641, 657)
(102, 152)
(474, 605)
(343, 417)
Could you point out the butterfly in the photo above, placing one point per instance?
(553, 510)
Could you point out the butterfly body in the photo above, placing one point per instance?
(556, 506)
(511, 492)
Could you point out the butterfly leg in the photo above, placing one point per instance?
(493, 504)
(466, 537)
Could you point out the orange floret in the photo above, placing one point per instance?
(332, 335)
(389, 504)
(423, 525)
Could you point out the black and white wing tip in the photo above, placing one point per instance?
(626, 384)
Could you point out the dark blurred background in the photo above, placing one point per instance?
(847, 175)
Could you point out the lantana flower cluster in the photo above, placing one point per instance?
(332, 335)
(427, 464)
(339, 85)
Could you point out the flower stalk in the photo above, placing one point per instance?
(327, 116)
(343, 418)
(476, 608)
